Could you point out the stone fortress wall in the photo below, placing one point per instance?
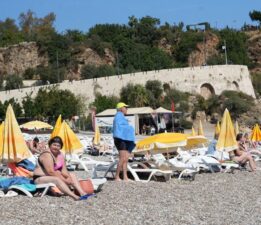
(205, 80)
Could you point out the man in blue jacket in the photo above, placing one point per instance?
(124, 139)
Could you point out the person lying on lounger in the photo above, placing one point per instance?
(51, 168)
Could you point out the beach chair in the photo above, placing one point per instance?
(22, 172)
(182, 168)
(136, 169)
(41, 188)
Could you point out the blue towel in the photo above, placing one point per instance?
(26, 164)
(6, 183)
(122, 129)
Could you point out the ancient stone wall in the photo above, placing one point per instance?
(204, 80)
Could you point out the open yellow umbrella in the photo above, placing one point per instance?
(194, 141)
(236, 128)
(14, 148)
(256, 133)
(71, 143)
(97, 136)
(227, 139)
(36, 124)
(200, 129)
(164, 142)
(217, 129)
(193, 133)
(57, 126)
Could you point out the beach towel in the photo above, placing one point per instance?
(122, 129)
(26, 164)
(6, 183)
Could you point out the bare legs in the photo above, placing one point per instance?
(122, 165)
(246, 158)
(76, 184)
(63, 187)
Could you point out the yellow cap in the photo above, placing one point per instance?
(120, 105)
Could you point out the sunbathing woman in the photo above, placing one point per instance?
(240, 156)
(51, 168)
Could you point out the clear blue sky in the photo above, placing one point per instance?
(83, 14)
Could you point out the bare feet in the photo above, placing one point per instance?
(117, 179)
(128, 180)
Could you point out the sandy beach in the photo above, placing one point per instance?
(220, 198)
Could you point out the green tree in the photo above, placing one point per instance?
(256, 80)
(134, 95)
(16, 107)
(9, 33)
(51, 74)
(236, 46)
(236, 102)
(51, 102)
(29, 108)
(13, 82)
(255, 16)
(103, 102)
(187, 43)
(154, 87)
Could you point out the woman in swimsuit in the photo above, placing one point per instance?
(51, 168)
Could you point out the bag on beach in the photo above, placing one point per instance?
(87, 186)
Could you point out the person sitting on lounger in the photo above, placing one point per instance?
(240, 156)
(249, 145)
(51, 168)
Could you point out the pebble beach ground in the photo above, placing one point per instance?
(220, 198)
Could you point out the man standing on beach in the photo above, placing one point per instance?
(124, 139)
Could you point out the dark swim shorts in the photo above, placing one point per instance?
(124, 145)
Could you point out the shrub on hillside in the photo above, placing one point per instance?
(236, 102)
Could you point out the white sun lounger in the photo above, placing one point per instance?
(45, 188)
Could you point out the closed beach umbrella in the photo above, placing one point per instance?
(1, 136)
(200, 129)
(256, 133)
(227, 139)
(164, 142)
(36, 124)
(14, 148)
(193, 133)
(217, 129)
(57, 126)
(97, 136)
(236, 128)
(71, 143)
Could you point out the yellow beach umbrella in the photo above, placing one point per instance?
(227, 139)
(57, 126)
(36, 124)
(97, 136)
(200, 129)
(193, 133)
(14, 147)
(164, 142)
(217, 129)
(71, 143)
(1, 136)
(236, 128)
(256, 133)
(194, 141)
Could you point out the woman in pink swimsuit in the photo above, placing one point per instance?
(51, 168)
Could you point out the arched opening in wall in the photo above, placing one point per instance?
(235, 86)
(207, 90)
